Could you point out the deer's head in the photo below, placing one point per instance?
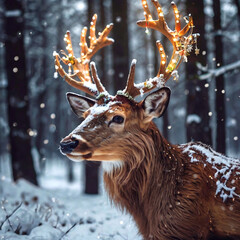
(112, 122)
(109, 125)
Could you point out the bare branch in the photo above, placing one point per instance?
(9, 215)
(219, 71)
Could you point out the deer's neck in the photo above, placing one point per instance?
(151, 170)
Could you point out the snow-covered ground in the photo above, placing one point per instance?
(57, 210)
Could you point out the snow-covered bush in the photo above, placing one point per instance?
(28, 212)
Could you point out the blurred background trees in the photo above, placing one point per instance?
(197, 117)
(18, 93)
(34, 114)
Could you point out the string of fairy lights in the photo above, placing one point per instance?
(182, 45)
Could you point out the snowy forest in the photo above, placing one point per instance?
(43, 194)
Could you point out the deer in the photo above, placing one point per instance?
(180, 192)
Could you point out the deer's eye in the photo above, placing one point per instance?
(118, 119)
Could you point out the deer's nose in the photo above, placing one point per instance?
(68, 146)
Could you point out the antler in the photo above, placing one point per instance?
(182, 45)
(80, 66)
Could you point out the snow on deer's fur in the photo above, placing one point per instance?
(174, 192)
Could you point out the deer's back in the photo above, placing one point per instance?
(220, 186)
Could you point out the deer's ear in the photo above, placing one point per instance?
(79, 104)
(155, 104)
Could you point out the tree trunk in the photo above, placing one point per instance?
(41, 124)
(220, 96)
(197, 123)
(18, 103)
(120, 47)
(91, 168)
(237, 3)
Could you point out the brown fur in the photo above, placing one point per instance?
(170, 190)
(169, 197)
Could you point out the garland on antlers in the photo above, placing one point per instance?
(78, 74)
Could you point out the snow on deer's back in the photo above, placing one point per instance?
(225, 170)
(222, 175)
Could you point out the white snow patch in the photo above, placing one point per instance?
(90, 86)
(141, 92)
(4, 129)
(175, 73)
(231, 122)
(109, 166)
(180, 112)
(211, 73)
(78, 137)
(149, 83)
(193, 118)
(99, 109)
(224, 167)
(13, 13)
(60, 214)
(134, 62)
(95, 111)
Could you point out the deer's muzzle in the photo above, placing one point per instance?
(68, 146)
